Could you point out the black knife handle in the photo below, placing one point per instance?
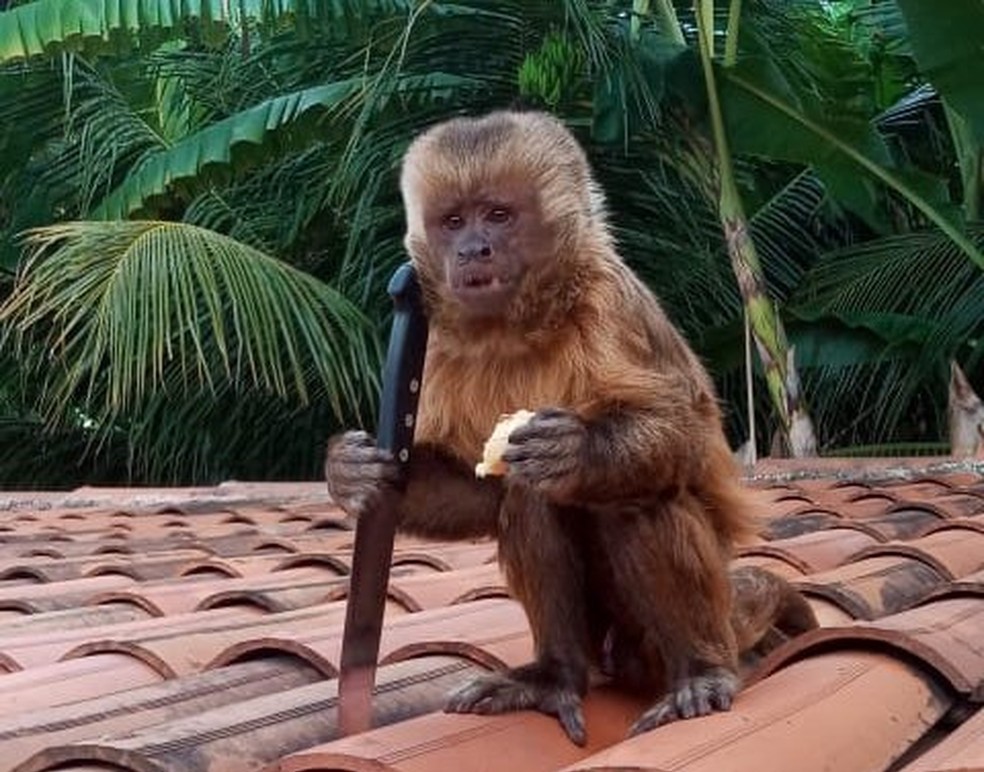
(404, 365)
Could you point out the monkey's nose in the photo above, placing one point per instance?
(474, 251)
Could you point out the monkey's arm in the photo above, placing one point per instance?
(444, 500)
(634, 449)
(436, 495)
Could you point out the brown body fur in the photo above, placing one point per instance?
(629, 549)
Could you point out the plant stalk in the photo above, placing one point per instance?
(766, 325)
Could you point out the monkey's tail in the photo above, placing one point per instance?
(766, 610)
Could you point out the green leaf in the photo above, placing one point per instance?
(124, 309)
(214, 144)
(946, 39)
(765, 118)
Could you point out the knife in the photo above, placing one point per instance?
(375, 530)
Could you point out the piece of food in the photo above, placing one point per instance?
(492, 463)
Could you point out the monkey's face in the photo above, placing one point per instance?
(486, 241)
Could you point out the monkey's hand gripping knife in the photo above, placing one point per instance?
(376, 529)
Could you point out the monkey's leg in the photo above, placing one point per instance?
(670, 578)
(544, 566)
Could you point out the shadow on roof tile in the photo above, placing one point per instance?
(875, 586)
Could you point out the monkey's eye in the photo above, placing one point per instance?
(499, 214)
(452, 222)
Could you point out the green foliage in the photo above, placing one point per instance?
(226, 333)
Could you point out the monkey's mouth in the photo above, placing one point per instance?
(483, 293)
(482, 284)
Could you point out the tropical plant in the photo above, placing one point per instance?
(234, 164)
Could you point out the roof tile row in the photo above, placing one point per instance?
(200, 629)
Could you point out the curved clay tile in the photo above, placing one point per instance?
(497, 627)
(443, 589)
(82, 617)
(189, 645)
(867, 504)
(453, 554)
(975, 523)
(773, 553)
(420, 559)
(945, 635)
(330, 523)
(803, 522)
(62, 683)
(919, 489)
(45, 647)
(953, 551)
(210, 567)
(903, 521)
(875, 586)
(820, 550)
(908, 550)
(518, 742)
(274, 546)
(961, 503)
(275, 599)
(60, 595)
(250, 734)
(776, 564)
(185, 594)
(828, 613)
(338, 565)
(25, 734)
(845, 711)
(961, 751)
(971, 585)
(144, 567)
(394, 596)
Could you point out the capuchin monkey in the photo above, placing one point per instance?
(620, 508)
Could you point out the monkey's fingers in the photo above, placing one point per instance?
(363, 463)
(467, 698)
(551, 423)
(700, 695)
(571, 718)
(541, 459)
(490, 695)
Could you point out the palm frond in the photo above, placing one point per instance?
(129, 308)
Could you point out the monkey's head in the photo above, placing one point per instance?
(497, 207)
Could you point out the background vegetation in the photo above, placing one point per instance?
(199, 213)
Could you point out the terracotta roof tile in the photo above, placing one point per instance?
(805, 717)
(26, 732)
(875, 586)
(519, 742)
(251, 733)
(962, 751)
(946, 636)
(199, 630)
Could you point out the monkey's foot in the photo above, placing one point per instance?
(519, 690)
(698, 695)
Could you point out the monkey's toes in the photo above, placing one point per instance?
(489, 695)
(699, 695)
